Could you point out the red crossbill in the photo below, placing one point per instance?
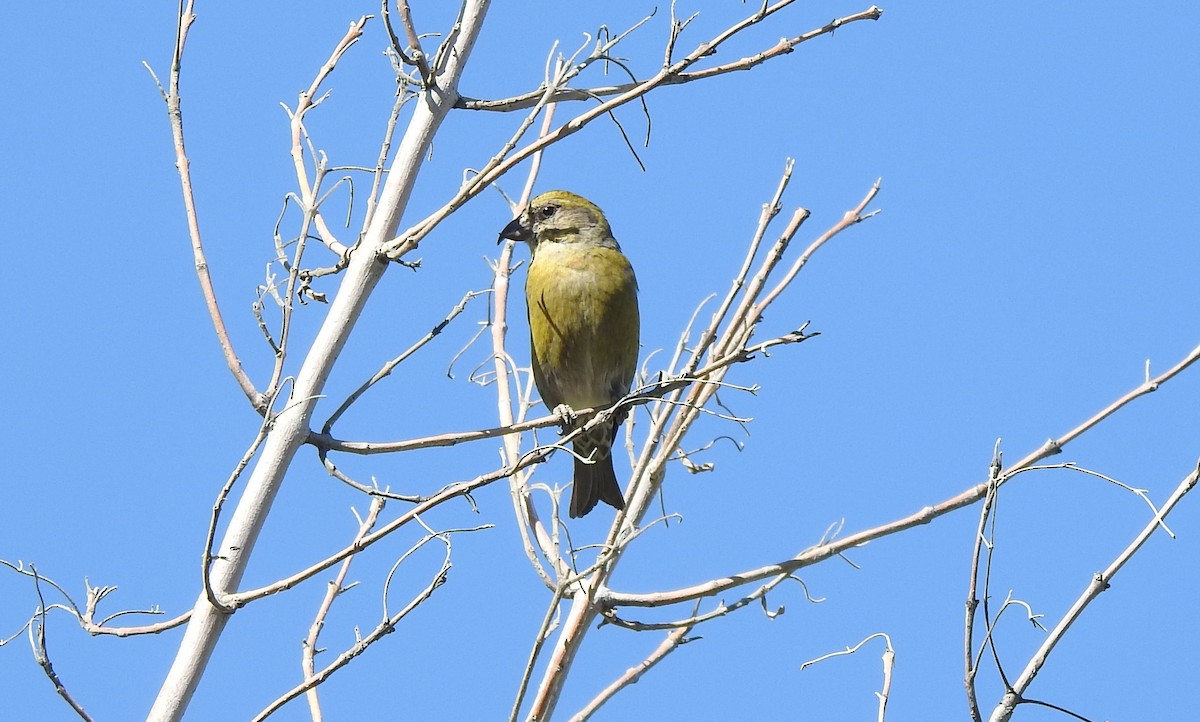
(584, 325)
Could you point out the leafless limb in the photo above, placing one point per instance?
(1149, 385)
(496, 166)
(783, 47)
(183, 165)
(403, 95)
(267, 289)
(673, 641)
(308, 100)
(385, 626)
(987, 540)
(373, 489)
(450, 491)
(889, 662)
(414, 55)
(332, 592)
(41, 653)
(390, 366)
(86, 617)
(825, 550)
(549, 621)
(4, 641)
(851, 217)
(1031, 616)
(1100, 582)
(287, 308)
(971, 664)
(759, 594)
(770, 209)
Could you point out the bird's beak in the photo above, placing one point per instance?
(515, 231)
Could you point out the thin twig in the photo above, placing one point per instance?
(548, 623)
(332, 592)
(390, 366)
(385, 627)
(308, 100)
(925, 515)
(184, 167)
(41, 653)
(971, 668)
(449, 492)
(783, 47)
(889, 663)
(1099, 583)
(673, 641)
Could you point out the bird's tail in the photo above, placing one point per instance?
(595, 480)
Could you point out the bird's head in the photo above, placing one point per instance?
(560, 217)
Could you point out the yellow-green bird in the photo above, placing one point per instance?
(584, 326)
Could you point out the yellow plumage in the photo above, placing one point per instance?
(584, 327)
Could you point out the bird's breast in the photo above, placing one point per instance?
(583, 321)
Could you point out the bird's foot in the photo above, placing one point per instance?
(566, 417)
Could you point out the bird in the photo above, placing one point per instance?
(584, 328)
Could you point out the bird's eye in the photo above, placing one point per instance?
(548, 211)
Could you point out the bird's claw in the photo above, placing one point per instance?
(566, 417)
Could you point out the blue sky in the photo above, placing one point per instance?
(1036, 246)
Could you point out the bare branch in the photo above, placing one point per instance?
(823, 551)
(783, 47)
(1099, 583)
(1149, 385)
(769, 211)
(720, 610)
(391, 365)
(971, 667)
(549, 621)
(539, 543)
(308, 100)
(673, 641)
(889, 663)
(332, 592)
(183, 165)
(385, 627)
(852, 217)
(416, 57)
(385, 147)
(449, 492)
(41, 653)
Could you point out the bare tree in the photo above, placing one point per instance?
(675, 391)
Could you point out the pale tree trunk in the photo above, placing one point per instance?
(291, 427)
